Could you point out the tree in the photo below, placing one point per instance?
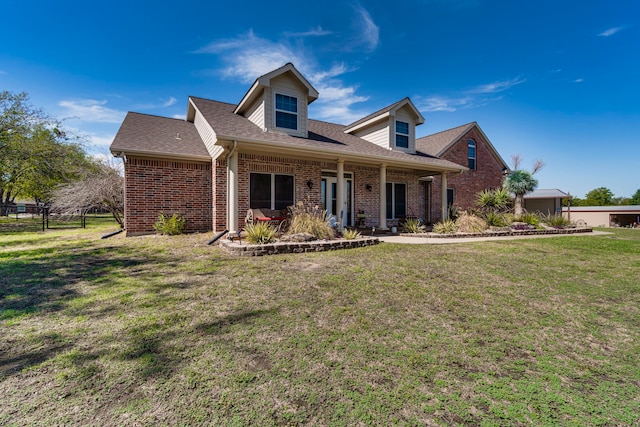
(635, 199)
(601, 196)
(101, 187)
(35, 154)
(520, 182)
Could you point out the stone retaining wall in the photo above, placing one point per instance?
(244, 249)
(500, 233)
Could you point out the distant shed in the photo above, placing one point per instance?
(546, 202)
(604, 216)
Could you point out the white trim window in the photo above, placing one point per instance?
(270, 190)
(286, 112)
(402, 134)
(471, 154)
(396, 200)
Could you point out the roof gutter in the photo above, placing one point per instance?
(143, 153)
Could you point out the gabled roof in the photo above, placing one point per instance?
(384, 113)
(265, 81)
(159, 136)
(551, 193)
(326, 140)
(438, 143)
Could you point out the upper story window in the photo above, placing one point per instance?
(471, 154)
(286, 112)
(402, 134)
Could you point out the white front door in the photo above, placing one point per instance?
(329, 196)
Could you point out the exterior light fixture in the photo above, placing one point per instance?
(310, 184)
(368, 187)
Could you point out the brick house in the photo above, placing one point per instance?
(264, 152)
(465, 145)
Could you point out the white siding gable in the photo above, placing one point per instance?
(404, 115)
(207, 134)
(256, 113)
(378, 134)
(287, 84)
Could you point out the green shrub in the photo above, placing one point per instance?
(351, 234)
(556, 221)
(310, 218)
(468, 223)
(448, 226)
(497, 199)
(529, 218)
(260, 233)
(496, 219)
(412, 225)
(170, 226)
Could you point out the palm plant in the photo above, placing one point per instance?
(520, 182)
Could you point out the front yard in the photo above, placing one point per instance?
(170, 331)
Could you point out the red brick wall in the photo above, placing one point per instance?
(488, 174)
(153, 186)
(219, 194)
(303, 171)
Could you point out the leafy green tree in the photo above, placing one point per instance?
(35, 154)
(601, 196)
(635, 199)
(520, 182)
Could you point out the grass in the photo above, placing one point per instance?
(170, 331)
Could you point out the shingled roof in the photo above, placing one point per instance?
(162, 136)
(438, 143)
(324, 137)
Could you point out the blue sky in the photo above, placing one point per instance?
(551, 80)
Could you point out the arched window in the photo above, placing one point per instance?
(471, 154)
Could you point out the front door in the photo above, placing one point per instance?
(329, 196)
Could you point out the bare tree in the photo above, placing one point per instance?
(102, 188)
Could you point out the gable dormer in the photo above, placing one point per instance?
(393, 127)
(278, 102)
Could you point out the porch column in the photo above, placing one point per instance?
(445, 211)
(383, 197)
(232, 192)
(340, 195)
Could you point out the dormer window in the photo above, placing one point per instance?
(402, 134)
(471, 154)
(286, 112)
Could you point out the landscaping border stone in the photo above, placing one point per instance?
(244, 249)
(490, 233)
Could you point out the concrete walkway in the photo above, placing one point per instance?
(443, 240)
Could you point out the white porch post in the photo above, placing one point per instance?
(340, 205)
(232, 192)
(383, 197)
(445, 211)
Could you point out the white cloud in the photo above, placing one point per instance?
(169, 102)
(314, 32)
(609, 32)
(369, 32)
(103, 141)
(442, 103)
(578, 80)
(248, 56)
(473, 98)
(90, 110)
(180, 116)
(496, 87)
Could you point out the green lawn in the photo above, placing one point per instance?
(170, 331)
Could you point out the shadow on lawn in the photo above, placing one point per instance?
(44, 281)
